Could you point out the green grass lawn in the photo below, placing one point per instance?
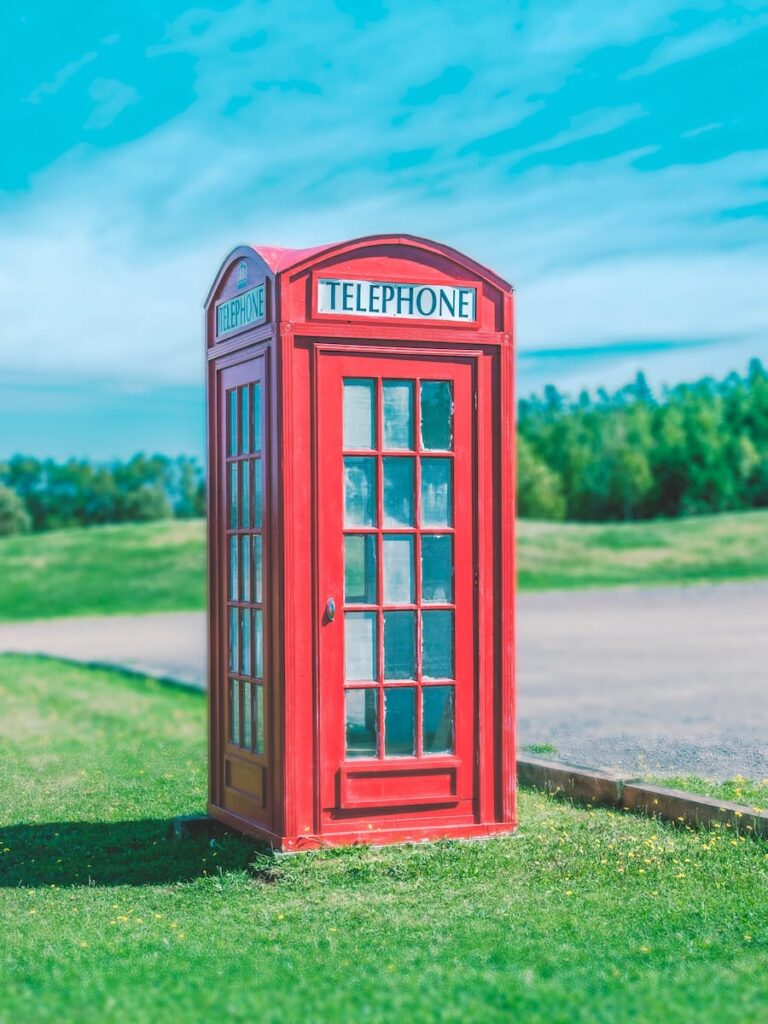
(586, 915)
(753, 793)
(151, 567)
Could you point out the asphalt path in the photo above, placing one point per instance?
(667, 680)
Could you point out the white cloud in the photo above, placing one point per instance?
(106, 262)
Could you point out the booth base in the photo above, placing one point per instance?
(374, 835)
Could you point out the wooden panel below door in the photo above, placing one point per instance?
(407, 786)
(245, 787)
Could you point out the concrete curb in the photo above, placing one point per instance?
(622, 792)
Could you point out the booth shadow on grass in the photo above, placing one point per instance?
(114, 853)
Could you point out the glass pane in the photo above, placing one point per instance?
(437, 645)
(245, 569)
(233, 495)
(398, 492)
(360, 647)
(257, 570)
(258, 501)
(397, 404)
(246, 663)
(359, 492)
(233, 583)
(247, 721)
(398, 569)
(399, 721)
(245, 508)
(360, 568)
(232, 420)
(234, 640)
(437, 715)
(436, 568)
(245, 419)
(399, 645)
(258, 715)
(359, 421)
(234, 712)
(436, 492)
(436, 415)
(258, 645)
(257, 417)
(361, 713)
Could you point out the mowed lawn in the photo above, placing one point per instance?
(160, 566)
(586, 915)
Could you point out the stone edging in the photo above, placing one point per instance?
(622, 792)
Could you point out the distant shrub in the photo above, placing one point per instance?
(144, 504)
(14, 517)
(539, 488)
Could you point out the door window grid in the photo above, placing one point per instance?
(245, 548)
(396, 698)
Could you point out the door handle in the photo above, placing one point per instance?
(330, 609)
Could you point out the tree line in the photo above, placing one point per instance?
(694, 448)
(44, 494)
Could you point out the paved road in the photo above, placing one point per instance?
(657, 680)
(662, 680)
(171, 645)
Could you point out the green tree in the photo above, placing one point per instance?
(14, 517)
(539, 488)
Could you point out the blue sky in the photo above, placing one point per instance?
(611, 159)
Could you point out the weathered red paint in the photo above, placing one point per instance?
(301, 791)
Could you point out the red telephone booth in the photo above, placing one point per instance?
(361, 549)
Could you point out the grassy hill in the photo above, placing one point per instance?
(161, 566)
(699, 549)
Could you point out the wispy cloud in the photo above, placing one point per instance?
(61, 77)
(110, 98)
(710, 36)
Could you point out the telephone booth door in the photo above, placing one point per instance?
(244, 696)
(396, 576)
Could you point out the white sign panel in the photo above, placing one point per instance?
(446, 302)
(241, 311)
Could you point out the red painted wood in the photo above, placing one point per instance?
(302, 792)
(334, 368)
